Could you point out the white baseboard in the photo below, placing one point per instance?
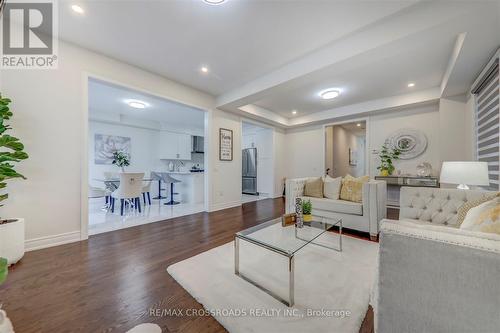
(277, 195)
(49, 241)
(224, 205)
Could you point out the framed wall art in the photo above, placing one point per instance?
(225, 144)
(106, 145)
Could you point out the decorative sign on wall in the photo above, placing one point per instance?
(106, 145)
(410, 142)
(353, 157)
(225, 144)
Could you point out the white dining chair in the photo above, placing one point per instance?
(130, 188)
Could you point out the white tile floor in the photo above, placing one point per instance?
(250, 198)
(103, 221)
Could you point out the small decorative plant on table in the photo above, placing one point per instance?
(121, 159)
(387, 156)
(307, 210)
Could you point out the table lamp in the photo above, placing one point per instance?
(464, 174)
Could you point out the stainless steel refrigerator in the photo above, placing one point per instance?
(249, 166)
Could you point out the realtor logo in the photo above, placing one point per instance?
(29, 38)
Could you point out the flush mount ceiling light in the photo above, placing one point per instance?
(411, 84)
(329, 93)
(77, 9)
(214, 2)
(358, 124)
(133, 103)
(294, 112)
(204, 69)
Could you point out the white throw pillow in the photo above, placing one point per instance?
(331, 187)
(484, 218)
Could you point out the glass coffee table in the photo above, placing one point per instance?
(285, 242)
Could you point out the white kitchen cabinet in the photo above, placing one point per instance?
(174, 146)
(184, 146)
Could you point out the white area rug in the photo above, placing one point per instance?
(337, 282)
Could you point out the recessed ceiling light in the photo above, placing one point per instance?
(204, 69)
(294, 112)
(358, 124)
(136, 104)
(77, 9)
(329, 93)
(411, 84)
(214, 2)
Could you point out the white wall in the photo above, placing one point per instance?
(50, 118)
(143, 145)
(445, 134)
(225, 182)
(425, 119)
(280, 166)
(452, 121)
(304, 152)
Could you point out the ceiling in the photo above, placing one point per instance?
(108, 99)
(354, 128)
(267, 58)
(239, 40)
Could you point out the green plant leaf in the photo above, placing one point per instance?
(11, 142)
(4, 270)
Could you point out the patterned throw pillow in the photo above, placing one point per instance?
(314, 188)
(352, 188)
(484, 218)
(462, 210)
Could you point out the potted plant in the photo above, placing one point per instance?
(5, 324)
(121, 159)
(307, 210)
(11, 152)
(387, 156)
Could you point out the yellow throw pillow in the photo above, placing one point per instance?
(484, 218)
(352, 188)
(464, 209)
(314, 188)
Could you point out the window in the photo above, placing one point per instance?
(487, 125)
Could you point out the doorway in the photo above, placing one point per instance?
(257, 162)
(161, 140)
(345, 149)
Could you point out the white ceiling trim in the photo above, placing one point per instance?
(459, 43)
(353, 110)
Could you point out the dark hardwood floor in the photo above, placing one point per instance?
(109, 282)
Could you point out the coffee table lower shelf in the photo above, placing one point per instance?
(291, 264)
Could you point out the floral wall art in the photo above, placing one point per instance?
(106, 145)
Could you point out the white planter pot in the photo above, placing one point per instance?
(12, 241)
(5, 324)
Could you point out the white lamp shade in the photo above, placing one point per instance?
(468, 173)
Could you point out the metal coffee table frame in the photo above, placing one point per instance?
(288, 254)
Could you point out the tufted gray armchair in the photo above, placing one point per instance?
(434, 205)
(432, 275)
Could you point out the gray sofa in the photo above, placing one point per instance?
(363, 216)
(433, 276)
